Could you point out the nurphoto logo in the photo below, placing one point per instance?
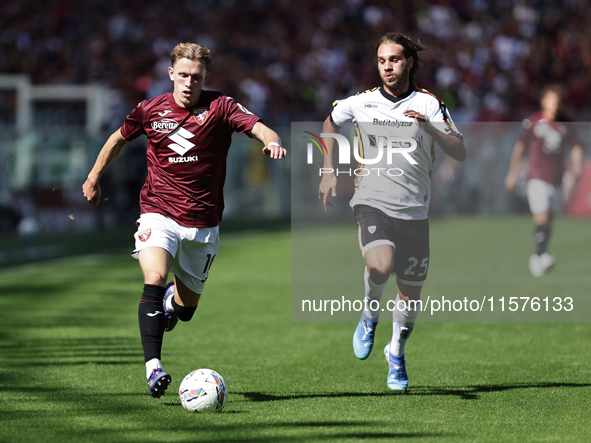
(385, 147)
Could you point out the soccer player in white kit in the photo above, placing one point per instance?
(398, 126)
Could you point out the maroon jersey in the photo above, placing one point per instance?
(548, 142)
(186, 154)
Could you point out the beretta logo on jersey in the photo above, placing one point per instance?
(200, 115)
(164, 125)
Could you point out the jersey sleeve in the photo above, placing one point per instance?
(239, 118)
(133, 126)
(342, 112)
(441, 114)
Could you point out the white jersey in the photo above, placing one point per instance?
(394, 174)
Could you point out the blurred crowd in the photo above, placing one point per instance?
(288, 60)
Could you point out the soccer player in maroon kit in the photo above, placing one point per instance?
(189, 132)
(547, 139)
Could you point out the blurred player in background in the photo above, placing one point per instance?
(391, 208)
(547, 139)
(189, 133)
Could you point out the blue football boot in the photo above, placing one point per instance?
(158, 382)
(397, 376)
(363, 338)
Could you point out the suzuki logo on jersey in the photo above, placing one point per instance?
(181, 144)
(164, 125)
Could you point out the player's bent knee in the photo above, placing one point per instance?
(379, 268)
(379, 275)
(154, 278)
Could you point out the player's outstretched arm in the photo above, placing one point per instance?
(576, 158)
(328, 184)
(111, 149)
(271, 141)
(515, 163)
(450, 144)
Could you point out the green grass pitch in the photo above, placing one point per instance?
(71, 365)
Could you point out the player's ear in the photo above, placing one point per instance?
(171, 72)
(411, 62)
(206, 77)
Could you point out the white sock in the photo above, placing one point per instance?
(373, 295)
(402, 325)
(151, 365)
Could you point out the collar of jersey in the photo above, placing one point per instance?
(393, 99)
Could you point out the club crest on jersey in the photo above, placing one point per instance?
(200, 115)
(144, 235)
(164, 125)
(371, 229)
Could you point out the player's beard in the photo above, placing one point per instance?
(397, 82)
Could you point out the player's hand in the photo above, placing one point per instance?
(92, 191)
(275, 151)
(511, 182)
(328, 186)
(419, 118)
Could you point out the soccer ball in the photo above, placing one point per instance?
(203, 390)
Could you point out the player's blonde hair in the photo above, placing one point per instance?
(411, 49)
(191, 51)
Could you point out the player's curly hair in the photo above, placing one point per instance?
(411, 49)
(191, 51)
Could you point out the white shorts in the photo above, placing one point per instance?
(543, 197)
(193, 249)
